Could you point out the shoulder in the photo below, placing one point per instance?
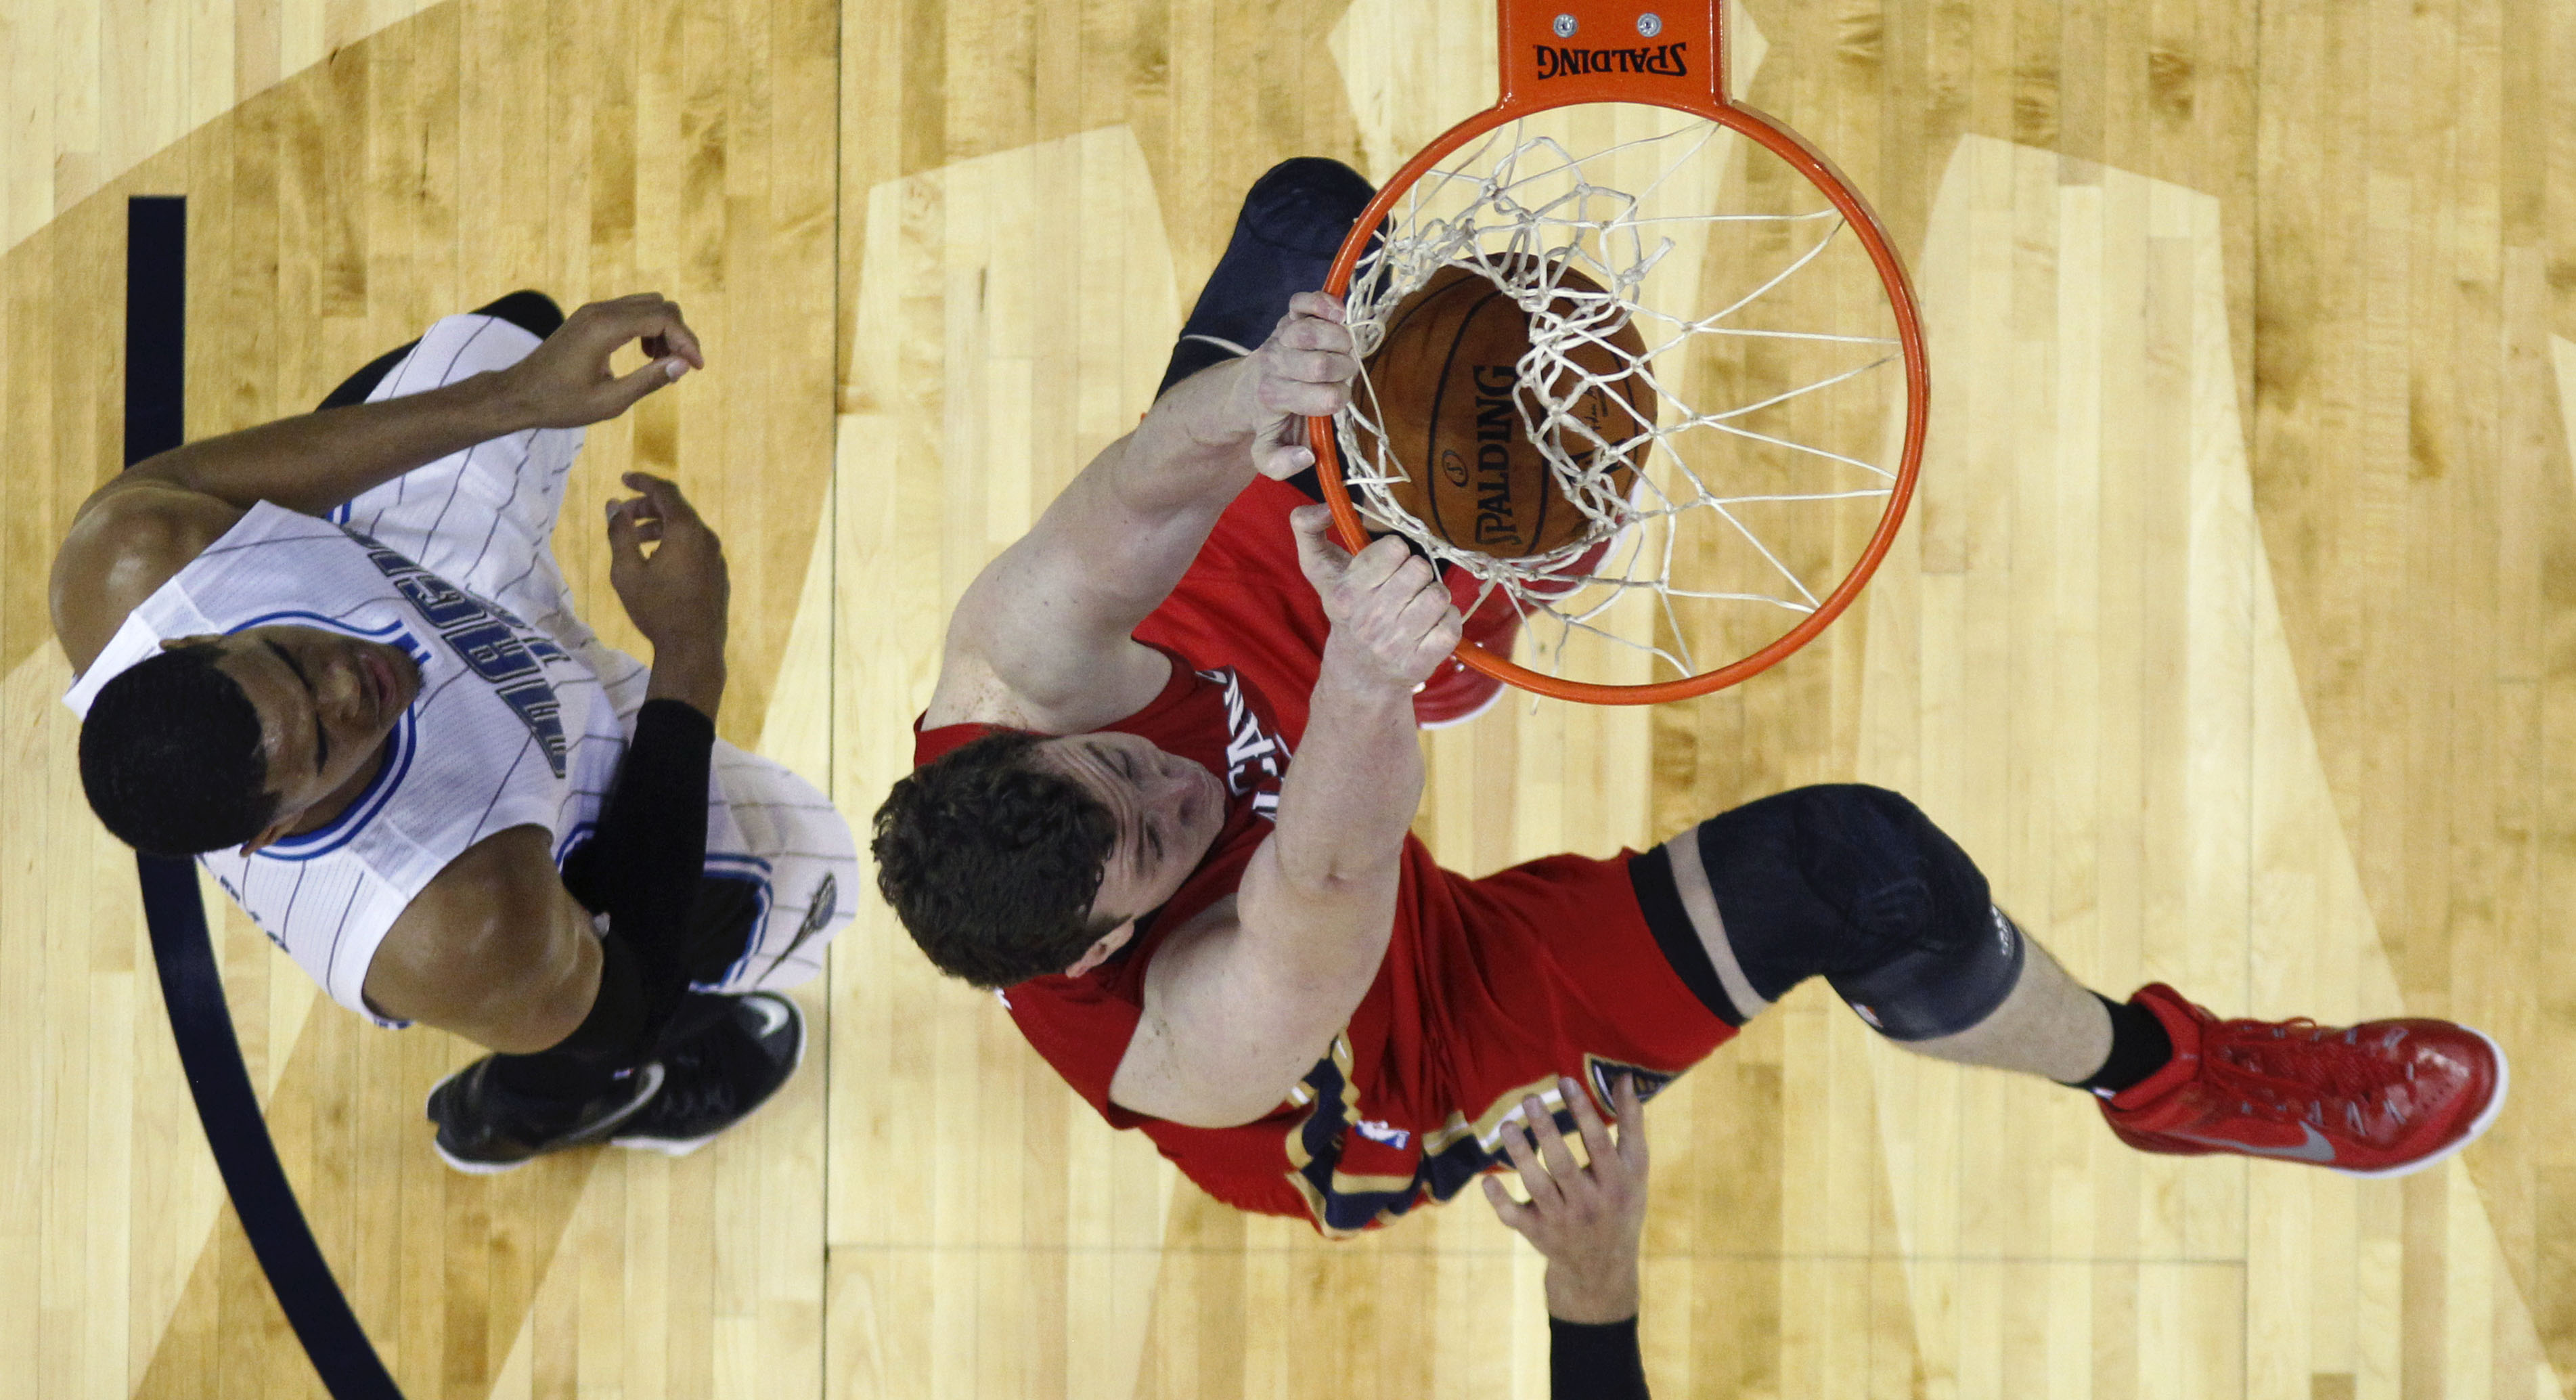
(128, 539)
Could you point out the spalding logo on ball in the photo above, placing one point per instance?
(1456, 414)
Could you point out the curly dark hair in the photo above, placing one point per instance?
(992, 862)
(170, 756)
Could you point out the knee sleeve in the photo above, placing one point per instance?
(1856, 885)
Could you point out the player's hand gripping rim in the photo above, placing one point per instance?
(1586, 1219)
(1304, 368)
(1391, 614)
(566, 382)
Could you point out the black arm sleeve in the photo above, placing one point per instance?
(1587, 1361)
(641, 867)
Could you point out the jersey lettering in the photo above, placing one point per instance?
(496, 646)
(1255, 758)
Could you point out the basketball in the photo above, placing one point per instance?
(1448, 392)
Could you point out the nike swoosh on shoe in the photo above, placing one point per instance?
(773, 1014)
(2315, 1149)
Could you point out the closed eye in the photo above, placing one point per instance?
(321, 741)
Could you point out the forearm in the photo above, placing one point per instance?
(316, 461)
(1357, 780)
(1595, 1362)
(1192, 454)
(643, 865)
(1600, 1295)
(692, 673)
(1139, 513)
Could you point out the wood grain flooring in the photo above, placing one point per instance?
(2232, 635)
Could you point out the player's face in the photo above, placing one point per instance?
(1168, 809)
(326, 703)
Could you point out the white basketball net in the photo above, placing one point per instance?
(1731, 448)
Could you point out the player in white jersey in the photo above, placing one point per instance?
(333, 658)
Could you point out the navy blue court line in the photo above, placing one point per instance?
(156, 299)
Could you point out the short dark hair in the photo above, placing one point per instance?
(170, 756)
(992, 862)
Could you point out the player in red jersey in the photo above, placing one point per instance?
(1253, 961)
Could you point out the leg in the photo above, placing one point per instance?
(1857, 886)
(792, 868)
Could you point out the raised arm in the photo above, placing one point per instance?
(1040, 639)
(1587, 1219)
(1235, 1014)
(145, 524)
(316, 461)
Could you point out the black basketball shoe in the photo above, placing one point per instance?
(715, 1078)
(1293, 222)
(485, 1127)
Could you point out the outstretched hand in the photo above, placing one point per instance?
(1389, 610)
(1585, 1219)
(566, 381)
(1304, 368)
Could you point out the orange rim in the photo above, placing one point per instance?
(1820, 172)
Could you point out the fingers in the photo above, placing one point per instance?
(1551, 1143)
(1632, 1121)
(643, 519)
(1317, 306)
(663, 494)
(626, 534)
(1512, 1213)
(1305, 399)
(1587, 1123)
(646, 316)
(1319, 554)
(1386, 563)
(1543, 1189)
(1279, 450)
(1307, 365)
(626, 392)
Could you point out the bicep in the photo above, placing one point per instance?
(493, 950)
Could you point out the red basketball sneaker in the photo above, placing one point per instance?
(2382, 1098)
(1456, 693)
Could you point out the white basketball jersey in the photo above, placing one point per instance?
(509, 729)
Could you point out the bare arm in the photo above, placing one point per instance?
(316, 461)
(146, 523)
(491, 949)
(1235, 1012)
(1040, 640)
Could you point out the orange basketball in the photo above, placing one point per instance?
(1457, 417)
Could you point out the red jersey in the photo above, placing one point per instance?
(1490, 988)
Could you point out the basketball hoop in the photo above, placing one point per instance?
(1616, 190)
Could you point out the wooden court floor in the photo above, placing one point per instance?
(2235, 634)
